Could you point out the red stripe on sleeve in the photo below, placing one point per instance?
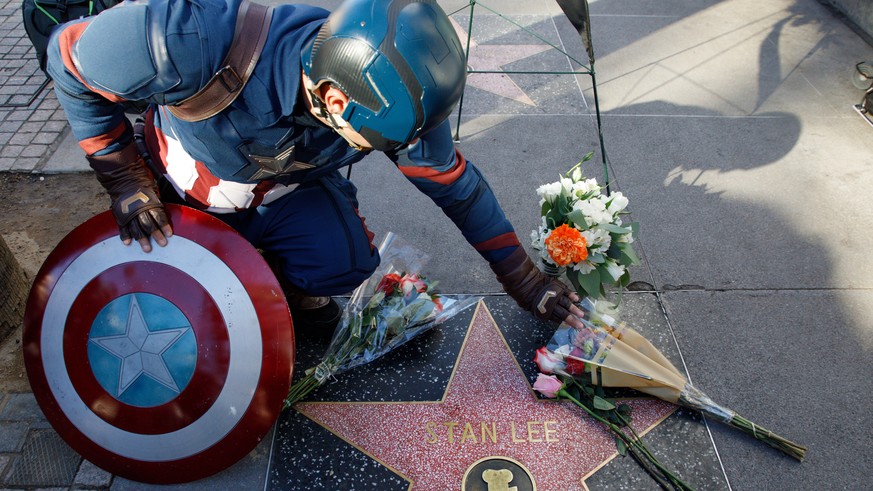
(509, 239)
(440, 177)
(97, 143)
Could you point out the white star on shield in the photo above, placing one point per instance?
(140, 350)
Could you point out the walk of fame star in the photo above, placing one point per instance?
(488, 57)
(488, 409)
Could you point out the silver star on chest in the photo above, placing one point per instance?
(140, 350)
(271, 167)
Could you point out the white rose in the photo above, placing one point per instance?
(549, 191)
(594, 210)
(582, 188)
(617, 203)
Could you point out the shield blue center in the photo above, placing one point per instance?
(142, 349)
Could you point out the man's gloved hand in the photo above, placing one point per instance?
(544, 296)
(134, 197)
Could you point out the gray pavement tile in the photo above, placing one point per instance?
(91, 476)
(797, 362)
(759, 211)
(21, 407)
(12, 436)
(4, 462)
(45, 460)
(25, 163)
(68, 157)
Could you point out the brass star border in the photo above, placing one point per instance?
(488, 409)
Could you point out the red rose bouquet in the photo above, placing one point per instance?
(396, 304)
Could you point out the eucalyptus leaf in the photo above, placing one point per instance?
(615, 229)
(615, 250)
(628, 255)
(578, 218)
(590, 282)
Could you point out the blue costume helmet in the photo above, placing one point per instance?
(399, 62)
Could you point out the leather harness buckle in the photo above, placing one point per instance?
(229, 78)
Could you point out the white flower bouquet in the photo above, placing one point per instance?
(582, 234)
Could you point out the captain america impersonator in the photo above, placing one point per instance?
(253, 110)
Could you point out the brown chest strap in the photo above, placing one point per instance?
(249, 36)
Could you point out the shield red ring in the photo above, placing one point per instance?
(161, 367)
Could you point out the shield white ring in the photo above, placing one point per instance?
(244, 339)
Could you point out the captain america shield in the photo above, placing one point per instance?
(160, 367)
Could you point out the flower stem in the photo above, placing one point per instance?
(634, 444)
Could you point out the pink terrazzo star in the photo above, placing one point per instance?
(487, 57)
(488, 409)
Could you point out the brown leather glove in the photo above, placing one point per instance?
(544, 296)
(132, 192)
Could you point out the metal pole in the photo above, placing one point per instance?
(600, 130)
(467, 57)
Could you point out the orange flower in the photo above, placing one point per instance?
(566, 245)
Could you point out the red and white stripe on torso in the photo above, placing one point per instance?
(200, 187)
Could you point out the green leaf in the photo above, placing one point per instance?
(628, 255)
(615, 229)
(625, 411)
(547, 207)
(620, 446)
(605, 277)
(590, 283)
(603, 404)
(625, 279)
(578, 219)
(614, 250)
(574, 280)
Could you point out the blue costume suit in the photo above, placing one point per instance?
(265, 165)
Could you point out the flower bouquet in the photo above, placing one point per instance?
(578, 389)
(582, 234)
(393, 306)
(615, 355)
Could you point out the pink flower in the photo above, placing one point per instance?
(546, 362)
(548, 385)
